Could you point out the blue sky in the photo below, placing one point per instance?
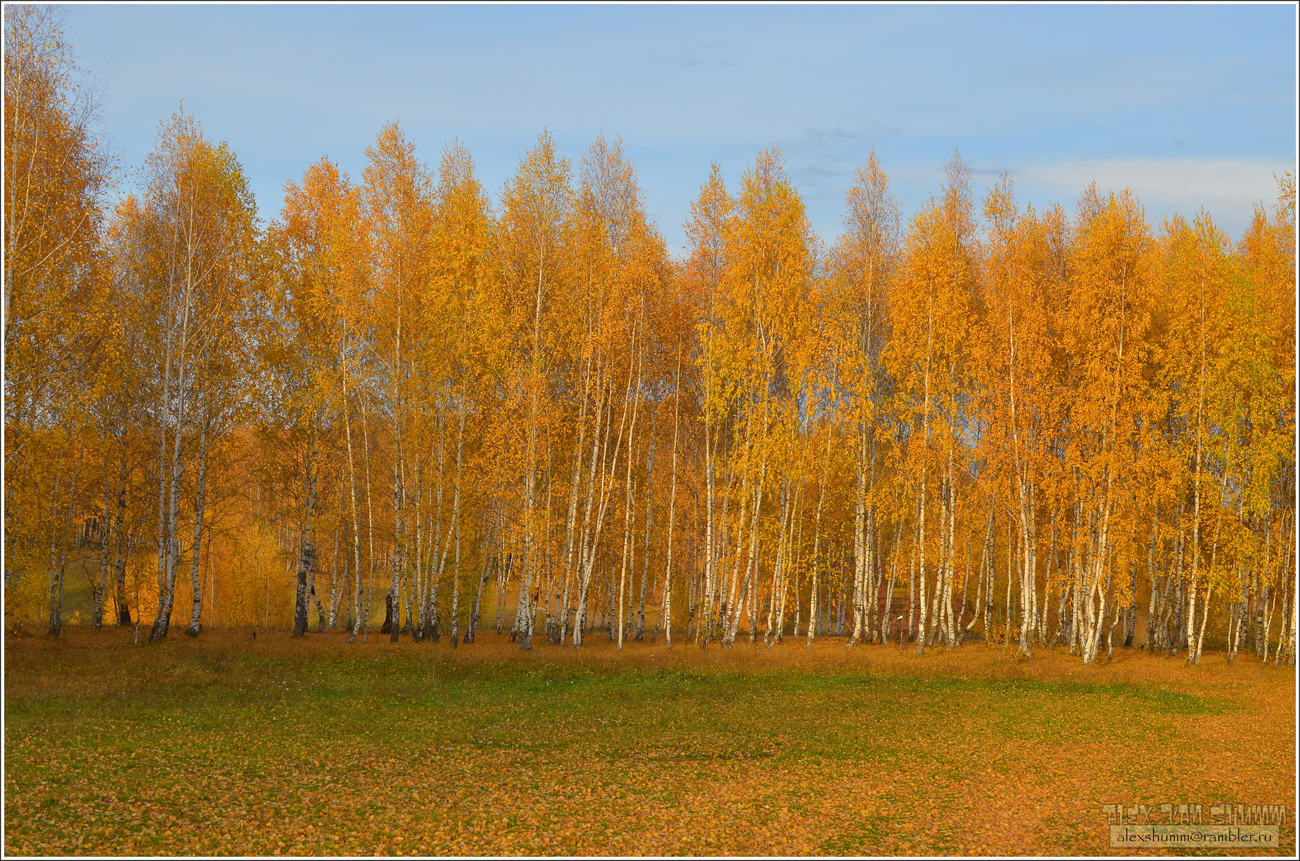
(1190, 106)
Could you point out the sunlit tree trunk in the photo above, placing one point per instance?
(97, 620)
(649, 523)
(628, 514)
(200, 499)
(456, 528)
(307, 556)
(666, 603)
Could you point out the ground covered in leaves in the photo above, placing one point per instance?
(233, 745)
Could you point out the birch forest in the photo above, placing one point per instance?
(411, 407)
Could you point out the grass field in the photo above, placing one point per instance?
(230, 745)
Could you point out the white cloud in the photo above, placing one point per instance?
(1228, 187)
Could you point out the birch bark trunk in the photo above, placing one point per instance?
(455, 527)
(199, 501)
(352, 484)
(571, 547)
(59, 550)
(606, 483)
(97, 620)
(639, 633)
(667, 601)
(629, 515)
(119, 558)
(859, 539)
(170, 476)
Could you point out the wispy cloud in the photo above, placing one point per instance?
(1228, 187)
(687, 85)
(832, 135)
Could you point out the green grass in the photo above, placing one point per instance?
(320, 748)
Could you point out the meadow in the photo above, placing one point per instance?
(235, 744)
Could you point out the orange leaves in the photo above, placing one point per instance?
(397, 217)
(316, 241)
(1075, 363)
(752, 263)
(858, 294)
(931, 316)
(58, 309)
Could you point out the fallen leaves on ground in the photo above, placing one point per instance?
(226, 745)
